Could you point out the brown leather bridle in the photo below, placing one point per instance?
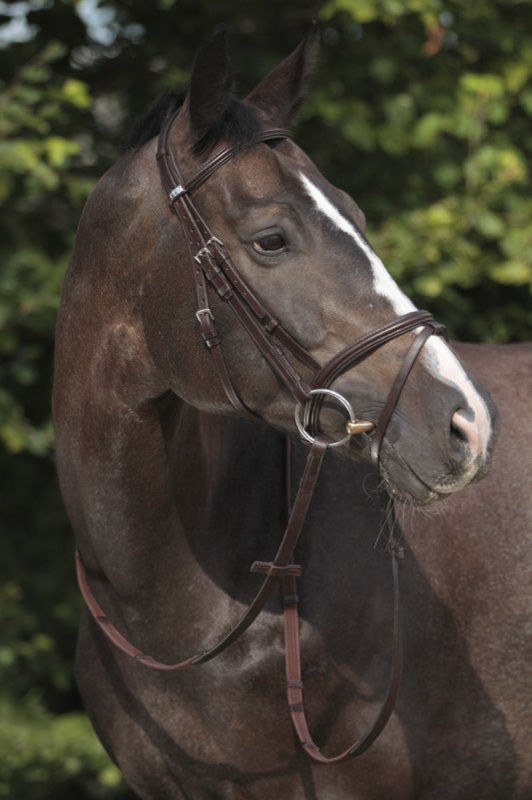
(213, 266)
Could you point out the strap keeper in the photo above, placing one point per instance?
(276, 571)
(225, 291)
(290, 600)
(213, 342)
(143, 658)
(438, 328)
(271, 324)
(176, 192)
(294, 684)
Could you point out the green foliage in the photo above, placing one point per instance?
(422, 110)
(36, 153)
(42, 187)
(58, 753)
(442, 108)
(388, 11)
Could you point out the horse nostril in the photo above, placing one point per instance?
(458, 433)
(464, 433)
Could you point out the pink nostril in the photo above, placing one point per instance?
(466, 431)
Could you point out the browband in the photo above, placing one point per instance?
(170, 175)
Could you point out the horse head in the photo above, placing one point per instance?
(299, 243)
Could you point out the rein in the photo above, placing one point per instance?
(212, 266)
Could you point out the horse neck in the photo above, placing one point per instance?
(166, 496)
(226, 479)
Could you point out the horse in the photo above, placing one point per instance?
(184, 347)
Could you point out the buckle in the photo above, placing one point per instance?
(201, 311)
(204, 251)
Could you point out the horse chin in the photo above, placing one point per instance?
(410, 489)
(403, 483)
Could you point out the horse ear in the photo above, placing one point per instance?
(281, 93)
(210, 85)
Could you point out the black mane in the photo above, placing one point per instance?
(239, 123)
(151, 123)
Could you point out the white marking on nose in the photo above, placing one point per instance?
(383, 282)
(442, 362)
(437, 356)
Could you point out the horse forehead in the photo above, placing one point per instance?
(267, 173)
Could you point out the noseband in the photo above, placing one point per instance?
(213, 266)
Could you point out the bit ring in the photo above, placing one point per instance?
(302, 423)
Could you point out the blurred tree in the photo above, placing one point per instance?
(434, 112)
(44, 181)
(421, 110)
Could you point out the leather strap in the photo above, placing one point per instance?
(398, 385)
(294, 682)
(363, 347)
(168, 166)
(358, 351)
(213, 264)
(279, 567)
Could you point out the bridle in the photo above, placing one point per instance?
(213, 266)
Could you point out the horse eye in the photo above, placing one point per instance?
(272, 243)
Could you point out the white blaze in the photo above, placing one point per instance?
(438, 358)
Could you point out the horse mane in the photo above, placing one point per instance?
(239, 123)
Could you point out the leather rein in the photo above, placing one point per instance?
(213, 266)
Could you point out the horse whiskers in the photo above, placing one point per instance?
(377, 489)
(388, 523)
(407, 512)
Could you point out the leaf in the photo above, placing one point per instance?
(77, 93)
(60, 150)
(513, 273)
